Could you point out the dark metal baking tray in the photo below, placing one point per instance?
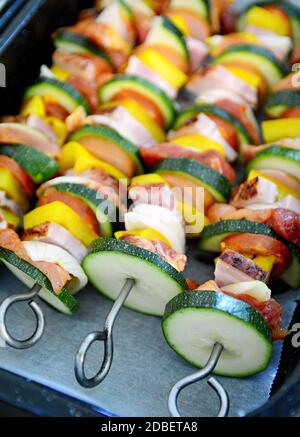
(8, 10)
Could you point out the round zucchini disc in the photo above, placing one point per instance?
(30, 275)
(110, 262)
(194, 321)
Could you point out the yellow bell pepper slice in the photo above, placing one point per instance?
(63, 215)
(58, 127)
(199, 143)
(181, 24)
(139, 113)
(161, 65)
(74, 155)
(11, 186)
(60, 73)
(266, 263)
(284, 190)
(148, 234)
(260, 17)
(193, 218)
(11, 218)
(145, 179)
(274, 130)
(34, 106)
(252, 79)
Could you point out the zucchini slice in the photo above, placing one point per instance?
(213, 235)
(72, 42)
(165, 32)
(194, 321)
(143, 87)
(190, 113)
(39, 166)
(277, 158)
(263, 59)
(30, 275)
(90, 133)
(217, 184)
(67, 96)
(294, 13)
(199, 7)
(292, 275)
(282, 100)
(110, 262)
(104, 210)
(290, 9)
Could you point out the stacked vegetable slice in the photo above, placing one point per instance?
(272, 18)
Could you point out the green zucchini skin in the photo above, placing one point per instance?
(277, 157)
(64, 296)
(212, 235)
(233, 226)
(221, 302)
(62, 89)
(237, 311)
(110, 262)
(278, 102)
(92, 198)
(121, 81)
(113, 136)
(112, 245)
(83, 43)
(198, 6)
(259, 50)
(194, 110)
(36, 164)
(292, 275)
(217, 184)
(168, 25)
(290, 9)
(266, 62)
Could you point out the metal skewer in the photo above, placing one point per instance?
(198, 376)
(39, 316)
(107, 337)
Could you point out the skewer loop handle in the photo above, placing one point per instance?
(39, 316)
(107, 337)
(198, 376)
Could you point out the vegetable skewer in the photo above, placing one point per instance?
(79, 367)
(187, 315)
(49, 95)
(34, 155)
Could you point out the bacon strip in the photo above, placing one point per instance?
(177, 260)
(57, 276)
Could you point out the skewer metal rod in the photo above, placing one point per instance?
(107, 337)
(198, 376)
